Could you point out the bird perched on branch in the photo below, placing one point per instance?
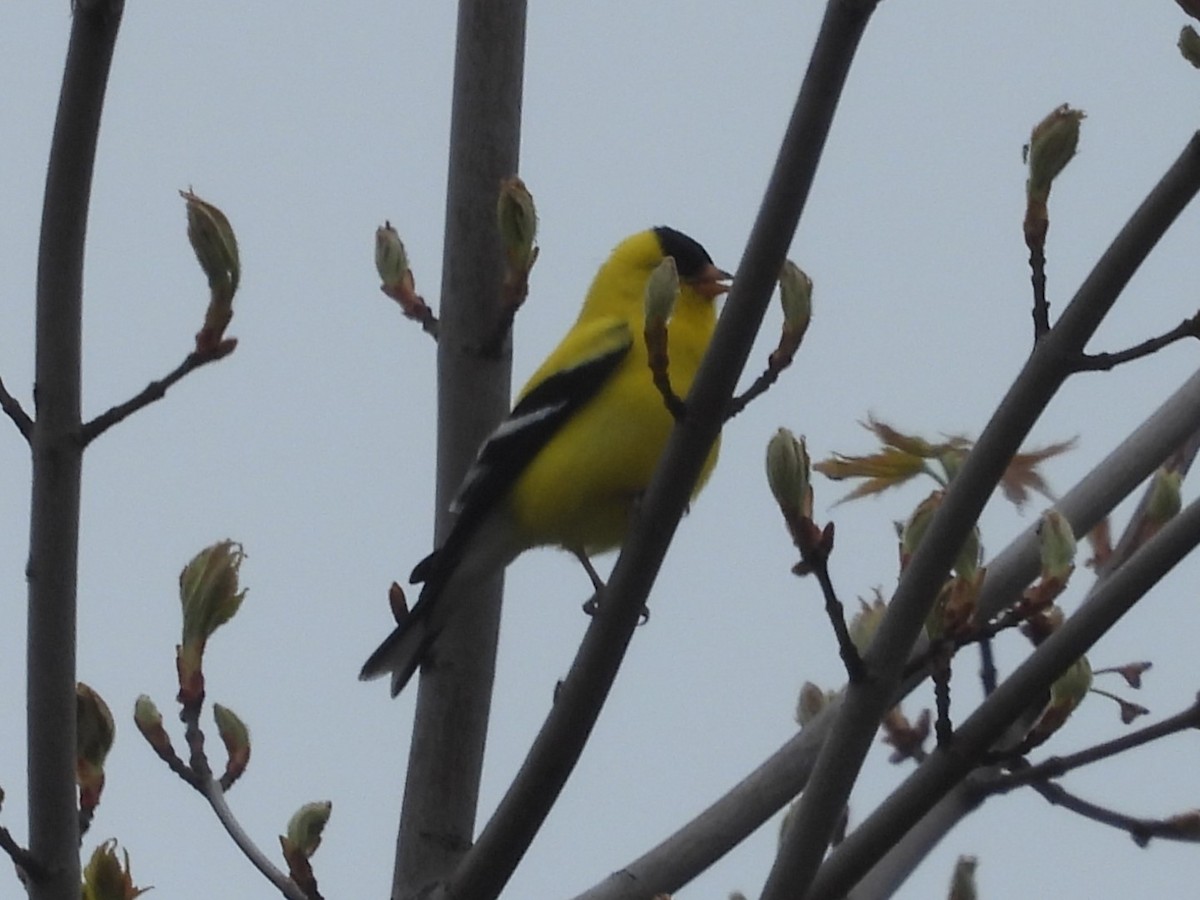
(568, 464)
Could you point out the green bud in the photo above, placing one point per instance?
(789, 473)
(1051, 146)
(913, 531)
(391, 259)
(662, 287)
(1189, 45)
(215, 244)
(305, 827)
(1165, 500)
(208, 589)
(236, 737)
(1072, 686)
(1057, 541)
(149, 722)
(94, 734)
(95, 729)
(105, 878)
(517, 218)
(795, 295)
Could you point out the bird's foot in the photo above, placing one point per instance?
(592, 605)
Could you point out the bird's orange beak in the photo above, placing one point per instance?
(711, 282)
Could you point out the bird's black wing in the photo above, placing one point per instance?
(518, 439)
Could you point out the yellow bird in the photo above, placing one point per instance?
(571, 460)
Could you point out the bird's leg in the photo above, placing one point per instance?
(593, 603)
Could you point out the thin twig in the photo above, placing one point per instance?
(987, 666)
(513, 293)
(1037, 276)
(972, 739)
(22, 858)
(815, 545)
(761, 385)
(13, 409)
(942, 727)
(1141, 830)
(1103, 362)
(655, 335)
(155, 390)
(216, 799)
(413, 306)
(1057, 766)
(201, 778)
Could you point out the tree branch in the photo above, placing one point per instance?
(904, 857)
(57, 454)
(27, 865)
(1057, 766)
(441, 791)
(1141, 830)
(524, 807)
(946, 767)
(155, 390)
(13, 409)
(805, 843)
(216, 799)
(1103, 362)
(776, 782)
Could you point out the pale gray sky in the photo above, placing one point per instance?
(313, 443)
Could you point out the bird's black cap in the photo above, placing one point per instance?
(690, 257)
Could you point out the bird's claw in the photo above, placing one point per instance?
(592, 605)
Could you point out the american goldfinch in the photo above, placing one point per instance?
(568, 464)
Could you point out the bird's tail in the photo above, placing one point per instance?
(403, 651)
(445, 573)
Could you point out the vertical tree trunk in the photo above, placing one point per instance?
(58, 453)
(446, 758)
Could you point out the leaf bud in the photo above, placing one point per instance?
(795, 295)
(517, 218)
(662, 287)
(1051, 146)
(305, 827)
(391, 259)
(789, 474)
(1057, 541)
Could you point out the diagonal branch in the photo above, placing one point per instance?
(216, 799)
(499, 848)
(776, 782)
(13, 409)
(805, 843)
(155, 390)
(903, 858)
(945, 768)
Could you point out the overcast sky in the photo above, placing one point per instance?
(313, 443)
